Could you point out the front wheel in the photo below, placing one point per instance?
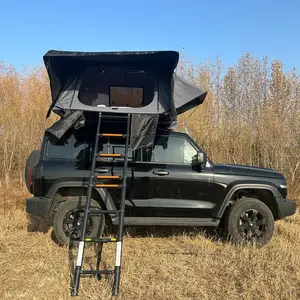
(249, 221)
(69, 217)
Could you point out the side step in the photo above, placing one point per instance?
(171, 221)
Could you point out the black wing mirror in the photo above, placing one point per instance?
(201, 160)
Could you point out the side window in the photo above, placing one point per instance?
(72, 148)
(171, 149)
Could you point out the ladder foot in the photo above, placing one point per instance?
(116, 281)
(74, 293)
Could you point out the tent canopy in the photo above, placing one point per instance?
(119, 82)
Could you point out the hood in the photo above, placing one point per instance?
(246, 171)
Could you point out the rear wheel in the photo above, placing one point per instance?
(68, 220)
(249, 221)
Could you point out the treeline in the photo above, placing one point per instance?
(251, 115)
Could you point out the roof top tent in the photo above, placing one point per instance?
(140, 83)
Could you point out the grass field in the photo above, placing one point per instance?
(173, 263)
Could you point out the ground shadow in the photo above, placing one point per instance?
(38, 224)
(169, 231)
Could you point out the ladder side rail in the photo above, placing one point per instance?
(121, 215)
(86, 213)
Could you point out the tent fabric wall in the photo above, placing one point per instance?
(165, 93)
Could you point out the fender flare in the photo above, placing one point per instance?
(103, 193)
(256, 186)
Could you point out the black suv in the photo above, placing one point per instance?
(172, 183)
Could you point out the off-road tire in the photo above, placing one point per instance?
(76, 203)
(234, 216)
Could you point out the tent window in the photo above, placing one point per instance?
(117, 86)
(126, 96)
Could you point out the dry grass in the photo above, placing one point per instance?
(172, 264)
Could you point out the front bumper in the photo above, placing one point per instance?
(38, 206)
(286, 207)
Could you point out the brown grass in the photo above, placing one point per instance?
(174, 263)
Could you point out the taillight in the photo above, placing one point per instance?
(31, 176)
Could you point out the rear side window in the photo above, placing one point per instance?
(71, 148)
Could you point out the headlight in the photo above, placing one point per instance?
(283, 190)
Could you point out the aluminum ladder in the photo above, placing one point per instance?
(88, 212)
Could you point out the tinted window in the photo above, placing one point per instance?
(173, 150)
(168, 149)
(71, 148)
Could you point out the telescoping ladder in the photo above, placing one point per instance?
(88, 212)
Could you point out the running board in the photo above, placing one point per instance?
(171, 221)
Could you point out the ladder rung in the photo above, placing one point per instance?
(108, 177)
(108, 185)
(101, 240)
(103, 212)
(112, 135)
(110, 155)
(96, 272)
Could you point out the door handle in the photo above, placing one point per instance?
(102, 170)
(161, 172)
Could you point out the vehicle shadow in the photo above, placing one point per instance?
(38, 224)
(170, 231)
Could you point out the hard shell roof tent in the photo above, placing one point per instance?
(140, 83)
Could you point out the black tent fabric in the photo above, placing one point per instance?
(186, 94)
(87, 82)
(143, 130)
(57, 131)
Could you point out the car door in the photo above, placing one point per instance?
(176, 188)
(137, 191)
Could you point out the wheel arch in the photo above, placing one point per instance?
(63, 191)
(266, 193)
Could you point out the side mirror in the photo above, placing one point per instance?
(201, 160)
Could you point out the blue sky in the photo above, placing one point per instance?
(204, 29)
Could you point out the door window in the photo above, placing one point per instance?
(168, 149)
